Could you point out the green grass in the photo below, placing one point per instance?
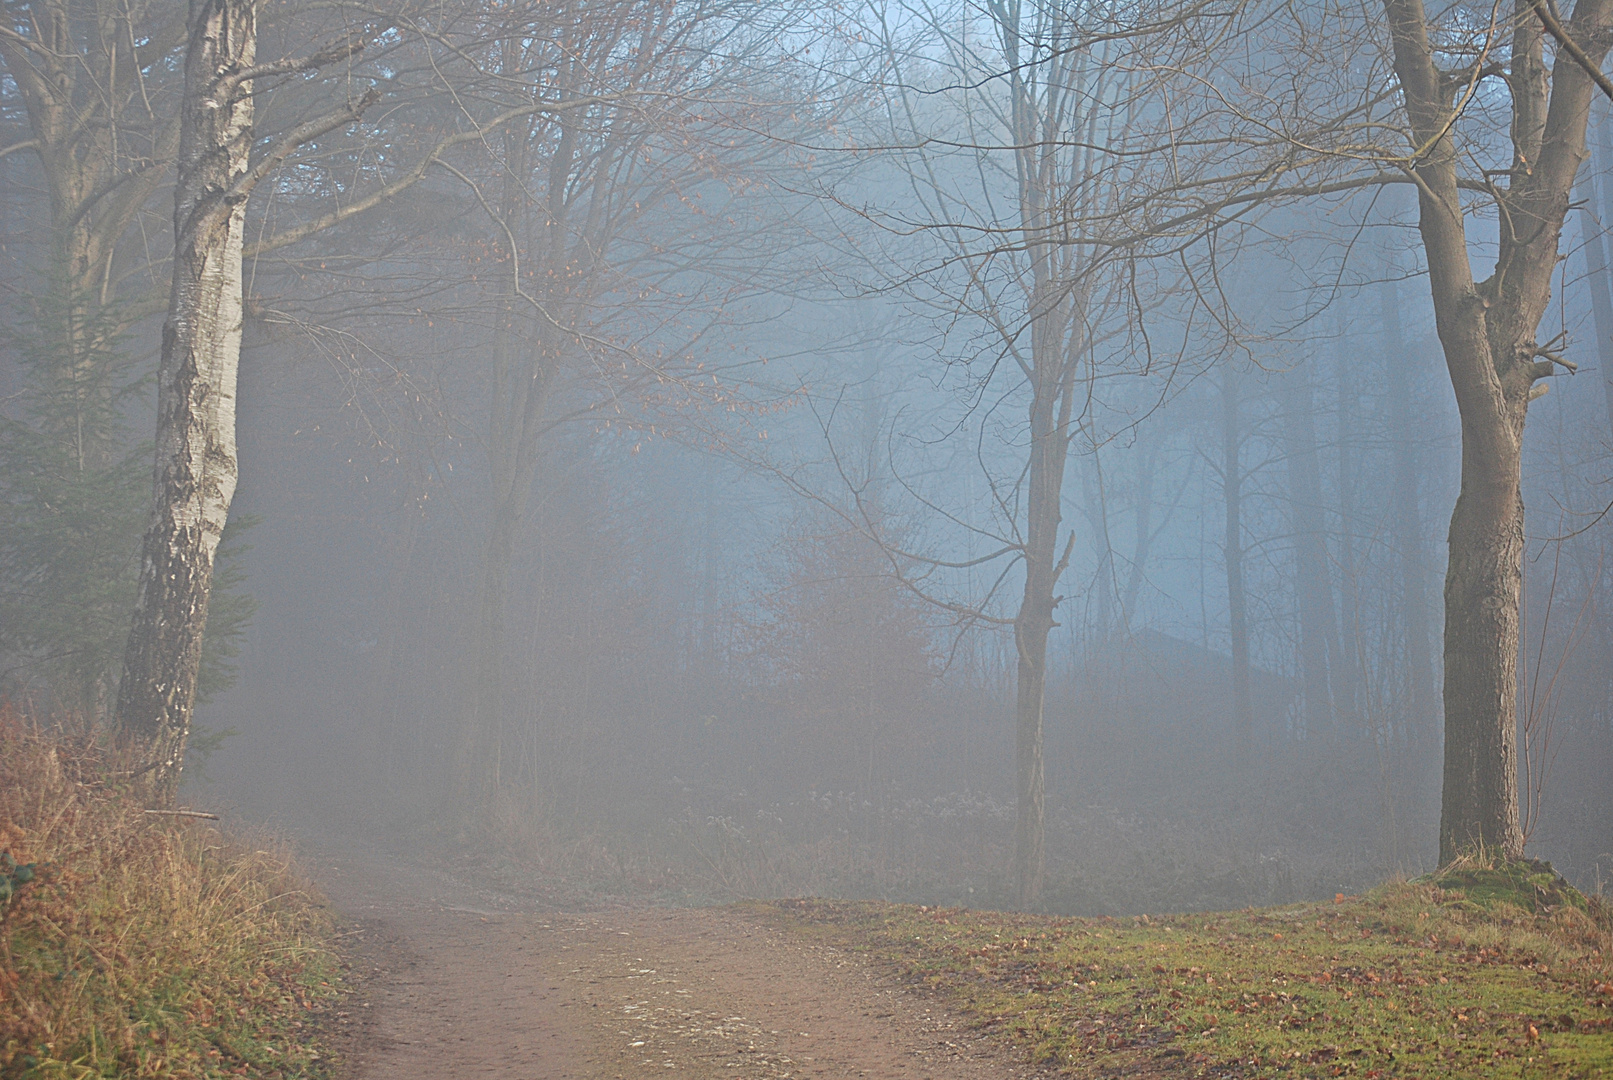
(1411, 979)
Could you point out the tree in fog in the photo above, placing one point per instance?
(95, 84)
(1231, 469)
(1035, 135)
(89, 137)
(607, 271)
(1472, 101)
(101, 168)
(1488, 330)
(848, 650)
(196, 466)
(1435, 81)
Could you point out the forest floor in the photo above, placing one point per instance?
(453, 979)
(1409, 980)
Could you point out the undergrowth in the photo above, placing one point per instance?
(1420, 978)
(146, 946)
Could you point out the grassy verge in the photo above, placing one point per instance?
(1478, 974)
(145, 946)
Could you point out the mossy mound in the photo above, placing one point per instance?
(1530, 884)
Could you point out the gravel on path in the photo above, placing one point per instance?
(456, 982)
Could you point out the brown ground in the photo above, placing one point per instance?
(457, 982)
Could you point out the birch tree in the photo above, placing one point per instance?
(196, 468)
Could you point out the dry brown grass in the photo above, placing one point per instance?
(146, 946)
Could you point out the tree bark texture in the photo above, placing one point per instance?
(1599, 200)
(1487, 330)
(195, 469)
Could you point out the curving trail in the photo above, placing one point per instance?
(458, 982)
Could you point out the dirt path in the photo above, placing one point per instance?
(462, 983)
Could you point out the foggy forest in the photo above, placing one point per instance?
(1069, 458)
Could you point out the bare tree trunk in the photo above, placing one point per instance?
(525, 358)
(201, 345)
(1347, 666)
(1049, 445)
(1488, 330)
(1483, 588)
(1237, 600)
(520, 397)
(1422, 711)
(1056, 311)
(195, 469)
(1313, 585)
(1599, 197)
(484, 730)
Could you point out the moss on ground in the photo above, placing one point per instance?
(1527, 883)
(1414, 979)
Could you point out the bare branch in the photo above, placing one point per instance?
(1556, 29)
(296, 137)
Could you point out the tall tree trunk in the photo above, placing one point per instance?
(195, 471)
(522, 380)
(1347, 667)
(1488, 331)
(1599, 197)
(1237, 599)
(1043, 566)
(1421, 717)
(1061, 284)
(201, 345)
(526, 354)
(1483, 587)
(483, 733)
(1313, 584)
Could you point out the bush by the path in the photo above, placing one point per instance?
(135, 945)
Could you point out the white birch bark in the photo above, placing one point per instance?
(195, 472)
